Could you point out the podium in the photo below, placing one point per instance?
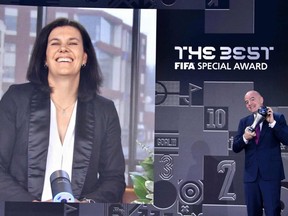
(39, 209)
(81, 209)
(66, 209)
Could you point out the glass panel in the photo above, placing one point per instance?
(9, 63)
(10, 20)
(105, 33)
(146, 95)
(61, 14)
(91, 23)
(2, 36)
(33, 22)
(16, 43)
(111, 32)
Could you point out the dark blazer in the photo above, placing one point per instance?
(264, 157)
(98, 162)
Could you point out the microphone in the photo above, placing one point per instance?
(61, 187)
(260, 117)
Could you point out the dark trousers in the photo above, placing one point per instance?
(263, 194)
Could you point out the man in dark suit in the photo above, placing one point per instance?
(263, 163)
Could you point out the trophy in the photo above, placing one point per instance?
(260, 117)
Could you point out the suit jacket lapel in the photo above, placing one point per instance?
(38, 140)
(250, 120)
(84, 137)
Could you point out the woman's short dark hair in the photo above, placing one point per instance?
(90, 76)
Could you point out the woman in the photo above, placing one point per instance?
(58, 121)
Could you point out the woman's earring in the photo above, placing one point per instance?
(83, 65)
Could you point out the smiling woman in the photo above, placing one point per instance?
(64, 57)
(65, 53)
(112, 37)
(62, 123)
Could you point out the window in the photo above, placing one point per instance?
(16, 43)
(91, 24)
(105, 31)
(106, 62)
(11, 20)
(61, 14)
(33, 23)
(30, 52)
(143, 48)
(9, 62)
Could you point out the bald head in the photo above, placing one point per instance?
(253, 100)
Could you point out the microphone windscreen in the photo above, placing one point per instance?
(61, 187)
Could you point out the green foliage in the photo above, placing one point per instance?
(148, 166)
(143, 183)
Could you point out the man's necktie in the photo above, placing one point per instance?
(257, 131)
